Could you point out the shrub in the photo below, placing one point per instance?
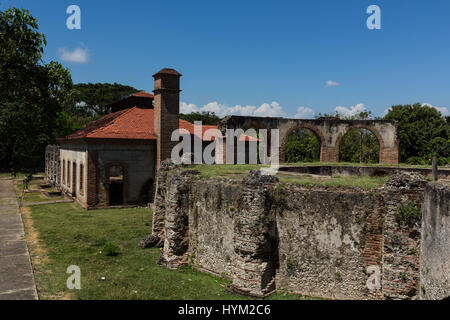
(416, 161)
(408, 214)
(110, 249)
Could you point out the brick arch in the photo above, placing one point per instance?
(362, 126)
(308, 126)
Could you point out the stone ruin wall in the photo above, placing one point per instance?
(435, 245)
(52, 165)
(263, 235)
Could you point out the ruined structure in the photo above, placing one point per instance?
(329, 132)
(52, 165)
(263, 235)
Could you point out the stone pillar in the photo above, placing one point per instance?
(166, 112)
(255, 243)
(389, 155)
(435, 169)
(176, 220)
(329, 154)
(159, 214)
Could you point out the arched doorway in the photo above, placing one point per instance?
(359, 145)
(302, 145)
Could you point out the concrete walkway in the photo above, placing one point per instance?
(16, 273)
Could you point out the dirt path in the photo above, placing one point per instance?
(16, 272)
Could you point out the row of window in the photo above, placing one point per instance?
(69, 169)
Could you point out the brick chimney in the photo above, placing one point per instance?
(166, 111)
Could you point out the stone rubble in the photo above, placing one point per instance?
(406, 180)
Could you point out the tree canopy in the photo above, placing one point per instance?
(423, 133)
(32, 94)
(207, 118)
(93, 97)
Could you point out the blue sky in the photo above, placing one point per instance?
(268, 58)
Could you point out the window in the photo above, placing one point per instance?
(63, 172)
(81, 177)
(68, 174)
(74, 178)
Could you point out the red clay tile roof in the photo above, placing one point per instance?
(142, 94)
(133, 123)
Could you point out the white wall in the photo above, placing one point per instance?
(80, 158)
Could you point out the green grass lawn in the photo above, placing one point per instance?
(353, 164)
(364, 182)
(69, 235)
(238, 172)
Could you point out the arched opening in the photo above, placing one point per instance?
(302, 145)
(359, 145)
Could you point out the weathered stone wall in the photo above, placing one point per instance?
(211, 228)
(401, 244)
(52, 165)
(264, 235)
(322, 243)
(435, 246)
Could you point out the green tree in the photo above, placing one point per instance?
(360, 146)
(31, 93)
(423, 133)
(207, 118)
(302, 146)
(91, 99)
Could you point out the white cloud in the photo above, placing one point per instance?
(78, 55)
(304, 113)
(270, 110)
(187, 108)
(265, 110)
(352, 111)
(443, 110)
(331, 83)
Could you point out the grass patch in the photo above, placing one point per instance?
(240, 171)
(352, 164)
(69, 235)
(232, 171)
(363, 182)
(32, 196)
